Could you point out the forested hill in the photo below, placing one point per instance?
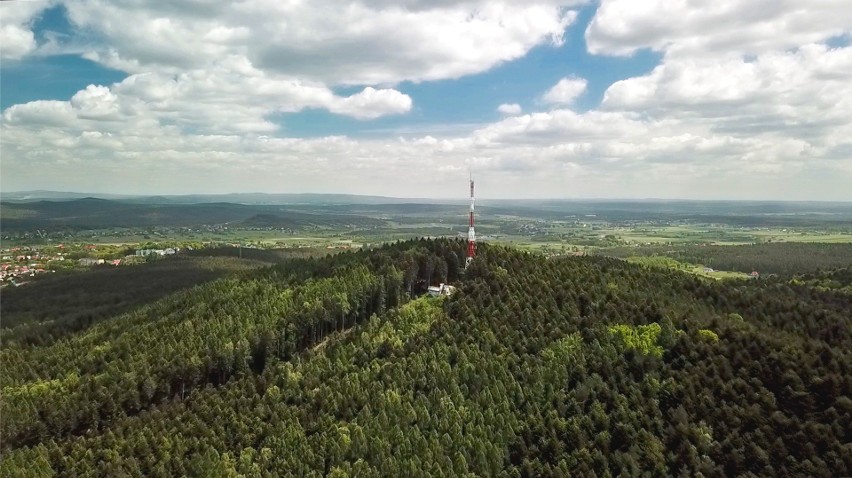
(581, 366)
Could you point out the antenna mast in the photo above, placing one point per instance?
(471, 235)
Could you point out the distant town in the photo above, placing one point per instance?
(19, 265)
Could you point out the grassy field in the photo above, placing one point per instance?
(552, 229)
(696, 269)
(695, 234)
(558, 239)
(553, 240)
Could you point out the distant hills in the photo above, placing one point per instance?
(48, 210)
(661, 205)
(41, 195)
(236, 198)
(93, 213)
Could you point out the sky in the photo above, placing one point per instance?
(675, 99)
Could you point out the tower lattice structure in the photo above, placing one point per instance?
(471, 234)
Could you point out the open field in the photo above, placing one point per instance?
(550, 239)
(695, 269)
(626, 229)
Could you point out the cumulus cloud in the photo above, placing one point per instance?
(372, 103)
(95, 103)
(748, 101)
(16, 36)
(620, 27)
(16, 41)
(355, 43)
(509, 109)
(565, 91)
(801, 96)
(231, 97)
(813, 81)
(560, 152)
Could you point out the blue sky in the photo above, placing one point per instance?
(661, 100)
(440, 106)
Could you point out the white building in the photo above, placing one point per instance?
(442, 289)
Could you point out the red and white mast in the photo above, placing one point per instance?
(471, 235)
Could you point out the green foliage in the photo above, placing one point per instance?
(658, 261)
(708, 335)
(837, 280)
(784, 259)
(65, 303)
(564, 351)
(412, 319)
(555, 367)
(643, 338)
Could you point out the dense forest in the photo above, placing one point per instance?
(784, 258)
(340, 366)
(58, 304)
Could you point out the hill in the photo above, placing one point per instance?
(238, 198)
(63, 303)
(534, 367)
(61, 211)
(94, 213)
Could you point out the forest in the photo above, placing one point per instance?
(73, 300)
(342, 366)
(782, 259)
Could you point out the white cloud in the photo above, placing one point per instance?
(95, 103)
(16, 36)
(509, 109)
(357, 43)
(620, 27)
(747, 102)
(41, 112)
(371, 103)
(803, 94)
(232, 97)
(565, 91)
(555, 153)
(15, 41)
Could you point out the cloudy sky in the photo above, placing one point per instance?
(696, 99)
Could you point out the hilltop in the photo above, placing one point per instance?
(534, 367)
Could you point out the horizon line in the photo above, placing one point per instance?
(94, 195)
